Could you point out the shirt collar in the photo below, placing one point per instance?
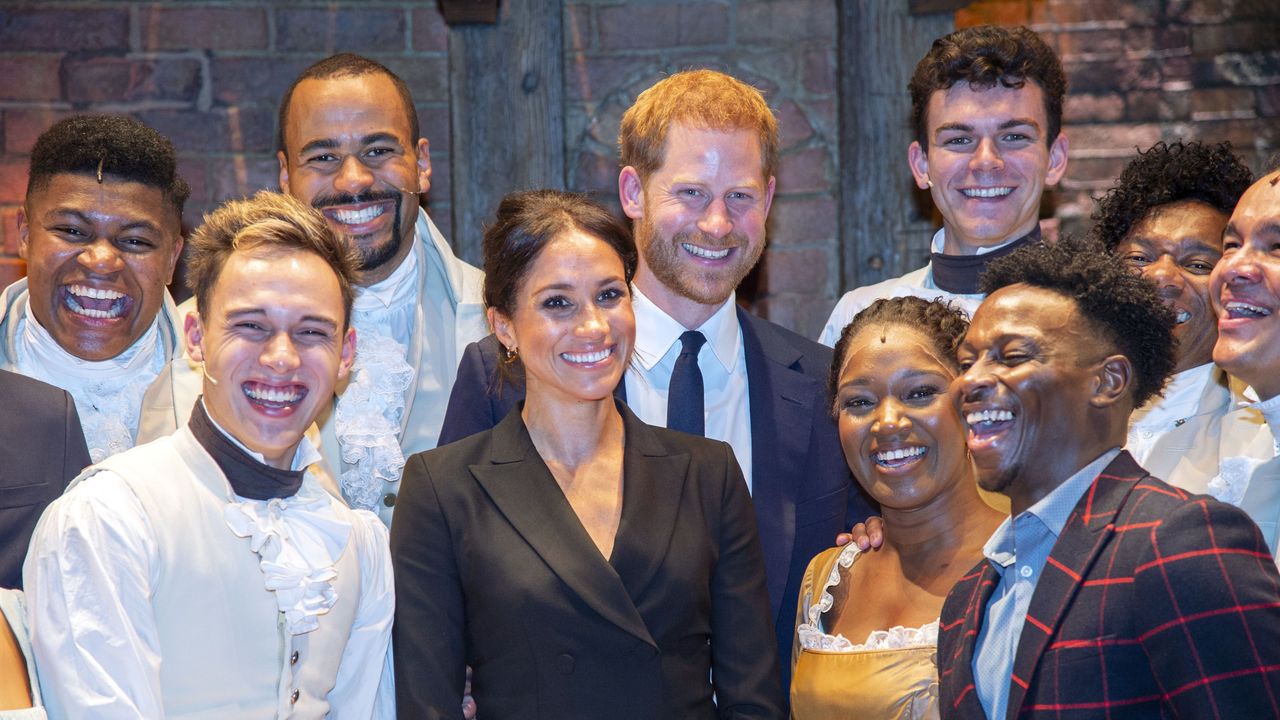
(43, 349)
(1053, 510)
(657, 332)
(940, 241)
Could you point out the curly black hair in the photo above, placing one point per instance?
(1121, 306)
(983, 56)
(1165, 174)
(942, 322)
(112, 145)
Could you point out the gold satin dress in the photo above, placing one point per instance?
(834, 680)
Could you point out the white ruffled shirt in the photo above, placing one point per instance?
(813, 636)
(108, 393)
(369, 414)
(1180, 402)
(101, 539)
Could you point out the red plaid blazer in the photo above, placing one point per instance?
(1153, 604)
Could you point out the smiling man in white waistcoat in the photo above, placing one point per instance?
(208, 574)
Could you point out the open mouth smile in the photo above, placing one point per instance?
(986, 193)
(95, 303)
(355, 217)
(1238, 309)
(589, 358)
(899, 457)
(274, 398)
(987, 426)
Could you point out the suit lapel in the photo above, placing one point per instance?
(1083, 537)
(653, 482)
(523, 489)
(781, 400)
(967, 704)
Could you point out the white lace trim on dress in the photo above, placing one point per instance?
(298, 540)
(368, 416)
(812, 637)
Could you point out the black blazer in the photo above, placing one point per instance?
(802, 490)
(494, 570)
(43, 449)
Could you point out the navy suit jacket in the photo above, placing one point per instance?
(1153, 604)
(43, 449)
(802, 490)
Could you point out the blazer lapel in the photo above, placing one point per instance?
(1086, 532)
(524, 490)
(653, 482)
(967, 705)
(781, 421)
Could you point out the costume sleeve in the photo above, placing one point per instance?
(470, 410)
(365, 687)
(744, 660)
(1210, 616)
(428, 635)
(88, 579)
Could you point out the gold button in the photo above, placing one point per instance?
(293, 659)
(293, 699)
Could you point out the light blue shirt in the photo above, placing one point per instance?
(1018, 550)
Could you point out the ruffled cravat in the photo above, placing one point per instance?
(959, 274)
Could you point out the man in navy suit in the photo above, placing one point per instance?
(1107, 592)
(699, 150)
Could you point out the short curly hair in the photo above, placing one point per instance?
(110, 145)
(1165, 174)
(942, 322)
(1123, 307)
(983, 56)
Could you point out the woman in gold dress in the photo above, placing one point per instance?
(867, 622)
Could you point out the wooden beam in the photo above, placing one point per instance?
(506, 86)
(886, 223)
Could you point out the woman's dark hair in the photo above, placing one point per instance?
(942, 322)
(527, 222)
(1123, 308)
(1167, 174)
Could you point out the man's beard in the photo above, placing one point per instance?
(371, 257)
(707, 287)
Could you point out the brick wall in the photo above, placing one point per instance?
(209, 73)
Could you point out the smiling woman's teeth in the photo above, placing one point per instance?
(892, 456)
(705, 253)
(358, 217)
(587, 357)
(988, 416)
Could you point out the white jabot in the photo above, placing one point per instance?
(1180, 403)
(723, 364)
(369, 413)
(108, 393)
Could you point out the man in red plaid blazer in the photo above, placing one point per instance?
(1107, 593)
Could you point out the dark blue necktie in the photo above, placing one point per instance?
(684, 395)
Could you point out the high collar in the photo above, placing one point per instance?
(250, 477)
(39, 347)
(959, 273)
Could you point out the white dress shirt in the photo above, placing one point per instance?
(1180, 403)
(722, 360)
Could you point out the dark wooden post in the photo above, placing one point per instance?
(885, 221)
(506, 90)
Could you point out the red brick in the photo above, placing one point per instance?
(1233, 37)
(238, 130)
(820, 71)
(80, 29)
(427, 77)
(793, 127)
(253, 80)
(704, 23)
(333, 29)
(1268, 102)
(23, 125)
(433, 124)
(1241, 133)
(994, 12)
(1110, 43)
(650, 26)
(591, 78)
(30, 77)
(109, 79)
(799, 270)
(1148, 105)
(808, 220)
(192, 170)
(1219, 103)
(9, 230)
(13, 180)
(243, 27)
(430, 34)
(1097, 170)
(804, 171)
(242, 175)
(1094, 108)
(804, 314)
(11, 271)
(1121, 138)
(785, 23)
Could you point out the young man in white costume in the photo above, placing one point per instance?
(208, 574)
(350, 146)
(101, 231)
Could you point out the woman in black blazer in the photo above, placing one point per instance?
(584, 564)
